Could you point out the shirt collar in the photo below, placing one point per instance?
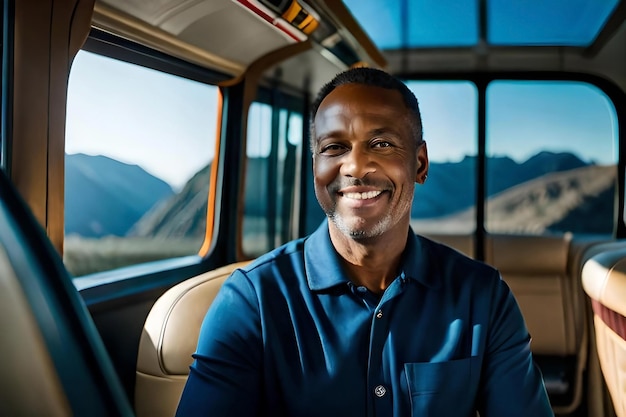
(323, 264)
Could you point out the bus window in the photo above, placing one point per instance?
(445, 202)
(139, 145)
(551, 158)
(273, 147)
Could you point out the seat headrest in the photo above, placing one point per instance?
(170, 334)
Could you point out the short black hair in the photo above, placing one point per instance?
(376, 78)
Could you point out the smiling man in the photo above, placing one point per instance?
(363, 317)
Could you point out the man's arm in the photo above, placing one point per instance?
(225, 378)
(511, 384)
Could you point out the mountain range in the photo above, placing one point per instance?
(579, 200)
(549, 190)
(107, 197)
(451, 186)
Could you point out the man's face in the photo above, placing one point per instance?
(366, 161)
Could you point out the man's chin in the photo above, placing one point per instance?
(358, 232)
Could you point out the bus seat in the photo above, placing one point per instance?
(24, 347)
(549, 297)
(538, 280)
(53, 360)
(604, 281)
(169, 338)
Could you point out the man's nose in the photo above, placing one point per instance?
(357, 164)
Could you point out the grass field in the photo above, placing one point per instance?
(84, 256)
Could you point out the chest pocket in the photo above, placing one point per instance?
(442, 389)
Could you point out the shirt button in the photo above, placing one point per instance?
(379, 315)
(380, 391)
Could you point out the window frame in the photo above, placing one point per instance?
(152, 277)
(278, 99)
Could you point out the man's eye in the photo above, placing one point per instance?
(381, 144)
(331, 149)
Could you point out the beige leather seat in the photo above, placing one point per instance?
(550, 299)
(604, 280)
(29, 383)
(53, 360)
(169, 338)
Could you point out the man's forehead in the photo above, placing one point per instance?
(349, 99)
(356, 92)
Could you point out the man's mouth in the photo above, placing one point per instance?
(362, 196)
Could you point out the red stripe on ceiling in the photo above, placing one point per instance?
(274, 20)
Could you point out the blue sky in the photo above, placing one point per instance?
(523, 118)
(162, 123)
(557, 116)
(166, 124)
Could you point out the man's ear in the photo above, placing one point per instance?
(422, 163)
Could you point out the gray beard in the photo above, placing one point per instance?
(356, 234)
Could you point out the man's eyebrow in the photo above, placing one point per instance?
(383, 130)
(326, 135)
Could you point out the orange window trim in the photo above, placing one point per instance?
(210, 213)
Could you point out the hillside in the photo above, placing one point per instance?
(451, 186)
(182, 215)
(553, 202)
(106, 197)
(559, 201)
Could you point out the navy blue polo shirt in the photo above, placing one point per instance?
(291, 335)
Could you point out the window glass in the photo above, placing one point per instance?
(546, 22)
(456, 23)
(552, 155)
(445, 203)
(273, 148)
(139, 145)
(414, 24)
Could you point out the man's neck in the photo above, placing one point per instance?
(372, 263)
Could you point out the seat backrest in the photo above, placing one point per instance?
(169, 338)
(604, 281)
(539, 281)
(25, 352)
(53, 360)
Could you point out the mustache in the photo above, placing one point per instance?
(343, 182)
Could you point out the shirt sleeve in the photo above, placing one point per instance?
(511, 383)
(225, 377)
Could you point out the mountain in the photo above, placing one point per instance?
(107, 197)
(579, 200)
(550, 203)
(182, 215)
(451, 186)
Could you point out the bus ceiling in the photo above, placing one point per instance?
(201, 32)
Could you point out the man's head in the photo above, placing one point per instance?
(376, 78)
(367, 154)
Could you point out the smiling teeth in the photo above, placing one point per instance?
(362, 196)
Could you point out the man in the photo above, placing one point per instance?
(363, 317)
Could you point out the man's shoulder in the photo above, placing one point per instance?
(287, 254)
(446, 256)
